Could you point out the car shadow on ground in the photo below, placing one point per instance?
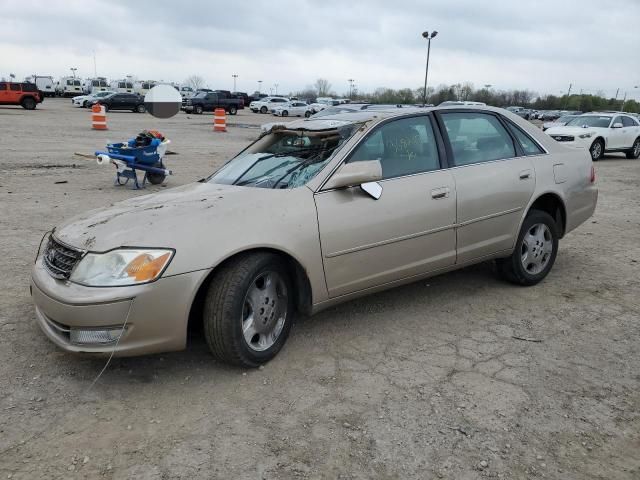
(435, 292)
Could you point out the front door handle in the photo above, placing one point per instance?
(525, 174)
(438, 193)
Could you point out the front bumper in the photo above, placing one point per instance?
(154, 315)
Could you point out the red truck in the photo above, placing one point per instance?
(20, 93)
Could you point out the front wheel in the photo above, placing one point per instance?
(535, 250)
(248, 310)
(156, 178)
(141, 108)
(263, 110)
(233, 110)
(307, 114)
(28, 103)
(197, 109)
(634, 151)
(597, 150)
(285, 113)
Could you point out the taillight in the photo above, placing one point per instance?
(593, 174)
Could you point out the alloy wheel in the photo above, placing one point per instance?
(264, 311)
(596, 150)
(536, 248)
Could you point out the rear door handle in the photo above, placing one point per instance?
(525, 174)
(438, 193)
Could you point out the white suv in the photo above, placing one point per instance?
(266, 104)
(600, 133)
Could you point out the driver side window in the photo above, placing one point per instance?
(404, 147)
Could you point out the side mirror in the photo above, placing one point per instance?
(365, 174)
(616, 125)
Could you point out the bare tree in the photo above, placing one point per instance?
(195, 81)
(322, 86)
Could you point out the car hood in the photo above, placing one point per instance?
(564, 130)
(161, 219)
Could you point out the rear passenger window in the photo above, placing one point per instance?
(14, 86)
(628, 122)
(528, 145)
(477, 137)
(404, 147)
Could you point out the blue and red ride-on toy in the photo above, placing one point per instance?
(144, 153)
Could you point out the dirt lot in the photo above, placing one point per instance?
(425, 381)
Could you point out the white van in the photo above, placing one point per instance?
(122, 86)
(143, 86)
(69, 87)
(44, 83)
(95, 85)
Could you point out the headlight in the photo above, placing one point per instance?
(585, 135)
(121, 267)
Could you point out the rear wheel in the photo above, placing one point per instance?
(634, 151)
(197, 109)
(307, 114)
(597, 150)
(285, 113)
(535, 250)
(28, 103)
(233, 110)
(248, 310)
(140, 108)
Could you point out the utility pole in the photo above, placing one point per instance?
(259, 86)
(623, 102)
(351, 80)
(235, 76)
(567, 99)
(617, 91)
(276, 87)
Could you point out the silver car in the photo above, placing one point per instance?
(314, 213)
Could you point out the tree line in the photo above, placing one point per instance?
(486, 94)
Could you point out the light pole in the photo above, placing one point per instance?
(426, 72)
(73, 71)
(276, 87)
(351, 80)
(235, 76)
(259, 86)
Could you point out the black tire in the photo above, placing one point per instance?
(634, 151)
(140, 109)
(28, 103)
(263, 109)
(156, 178)
(285, 113)
(512, 268)
(197, 109)
(225, 303)
(85, 104)
(233, 110)
(596, 150)
(307, 114)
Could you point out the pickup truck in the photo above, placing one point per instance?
(209, 101)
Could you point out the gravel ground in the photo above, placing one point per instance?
(425, 381)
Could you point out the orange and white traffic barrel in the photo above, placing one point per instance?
(98, 117)
(219, 120)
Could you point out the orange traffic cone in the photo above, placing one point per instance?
(98, 117)
(219, 120)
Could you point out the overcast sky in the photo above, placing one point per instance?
(542, 45)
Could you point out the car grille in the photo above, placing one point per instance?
(59, 259)
(563, 138)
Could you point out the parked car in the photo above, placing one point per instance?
(550, 115)
(265, 104)
(24, 94)
(558, 122)
(85, 101)
(355, 214)
(121, 101)
(600, 134)
(44, 83)
(294, 109)
(209, 101)
(461, 103)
